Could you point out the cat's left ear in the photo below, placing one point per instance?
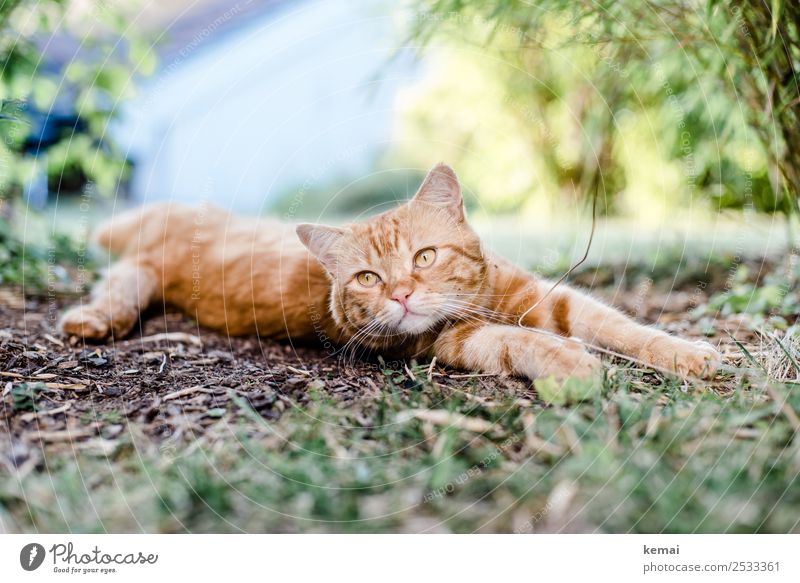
(321, 241)
(441, 189)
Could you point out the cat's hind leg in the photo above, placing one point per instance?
(115, 302)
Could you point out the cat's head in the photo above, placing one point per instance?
(407, 270)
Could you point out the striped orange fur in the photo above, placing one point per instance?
(412, 282)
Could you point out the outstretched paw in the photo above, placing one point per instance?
(570, 360)
(698, 358)
(86, 322)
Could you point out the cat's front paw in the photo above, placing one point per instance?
(86, 322)
(569, 360)
(698, 358)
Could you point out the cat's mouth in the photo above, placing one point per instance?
(409, 312)
(414, 322)
(412, 319)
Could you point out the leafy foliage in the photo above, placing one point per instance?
(773, 299)
(666, 100)
(776, 294)
(56, 104)
(83, 92)
(54, 264)
(18, 262)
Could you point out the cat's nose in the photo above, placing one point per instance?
(401, 294)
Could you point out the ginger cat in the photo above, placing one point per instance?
(412, 282)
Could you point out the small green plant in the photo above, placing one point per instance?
(772, 300)
(51, 265)
(571, 390)
(25, 396)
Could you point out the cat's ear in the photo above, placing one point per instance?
(441, 189)
(321, 241)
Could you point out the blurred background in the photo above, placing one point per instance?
(681, 116)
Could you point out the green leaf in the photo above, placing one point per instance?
(571, 390)
(25, 396)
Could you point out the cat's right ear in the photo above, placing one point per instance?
(441, 189)
(321, 241)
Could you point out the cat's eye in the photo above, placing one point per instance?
(425, 258)
(367, 278)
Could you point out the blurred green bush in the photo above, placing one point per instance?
(73, 63)
(65, 68)
(665, 102)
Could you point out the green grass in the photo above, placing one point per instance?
(640, 457)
